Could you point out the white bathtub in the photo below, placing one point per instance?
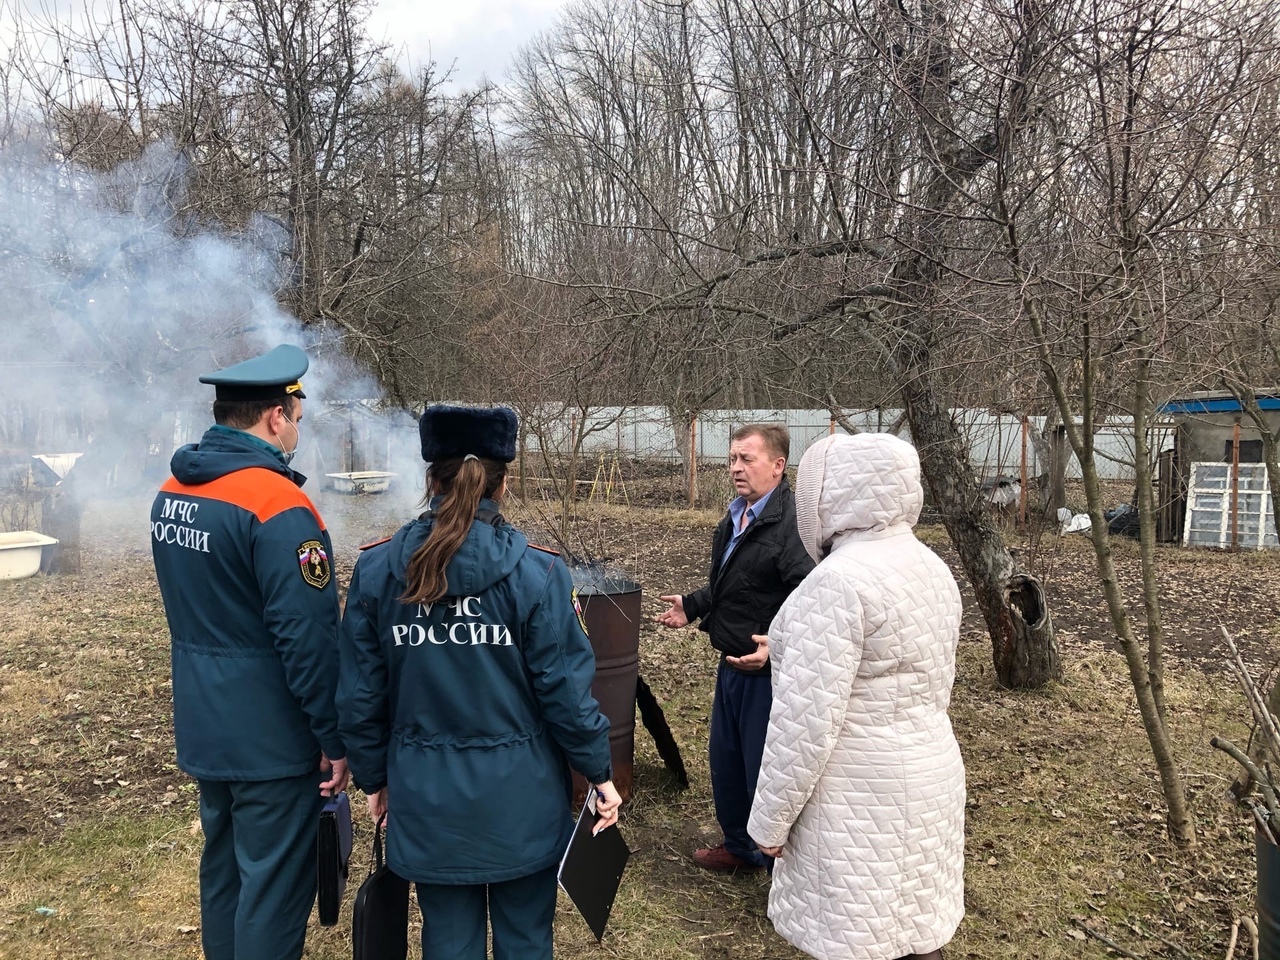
(20, 553)
(362, 481)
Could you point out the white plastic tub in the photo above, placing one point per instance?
(20, 553)
(362, 481)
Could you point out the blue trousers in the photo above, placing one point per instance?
(258, 869)
(521, 911)
(739, 720)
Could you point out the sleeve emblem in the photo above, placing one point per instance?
(313, 563)
(577, 608)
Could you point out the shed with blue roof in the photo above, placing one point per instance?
(1212, 427)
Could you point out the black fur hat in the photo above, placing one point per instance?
(488, 432)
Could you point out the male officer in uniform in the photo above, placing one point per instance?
(243, 562)
(757, 559)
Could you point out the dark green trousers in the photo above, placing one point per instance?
(258, 869)
(521, 912)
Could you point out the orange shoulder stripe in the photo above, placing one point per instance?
(262, 492)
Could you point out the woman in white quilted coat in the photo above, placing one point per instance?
(861, 792)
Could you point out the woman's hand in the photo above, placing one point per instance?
(607, 804)
(774, 852)
(377, 804)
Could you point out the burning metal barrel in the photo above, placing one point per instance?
(611, 609)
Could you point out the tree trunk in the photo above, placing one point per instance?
(60, 518)
(1147, 532)
(1180, 826)
(681, 422)
(1024, 647)
(1179, 823)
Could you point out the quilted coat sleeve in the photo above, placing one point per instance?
(819, 636)
(364, 698)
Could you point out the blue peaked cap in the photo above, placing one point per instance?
(277, 373)
(488, 432)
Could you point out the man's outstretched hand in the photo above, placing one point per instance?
(674, 615)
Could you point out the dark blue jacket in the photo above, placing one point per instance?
(470, 710)
(245, 570)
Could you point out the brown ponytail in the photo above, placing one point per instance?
(461, 481)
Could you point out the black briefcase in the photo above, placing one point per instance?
(333, 850)
(380, 917)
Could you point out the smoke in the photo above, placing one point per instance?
(109, 282)
(115, 301)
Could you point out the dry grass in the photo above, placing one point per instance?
(1064, 822)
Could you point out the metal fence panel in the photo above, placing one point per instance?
(994, 440)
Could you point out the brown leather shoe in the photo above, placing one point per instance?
(718, 858)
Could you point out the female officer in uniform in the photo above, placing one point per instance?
(465, 697)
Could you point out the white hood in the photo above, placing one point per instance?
(867, 481)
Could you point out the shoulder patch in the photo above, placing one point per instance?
(313, 564)
(555, 553)
(376, 543)
(577, 608)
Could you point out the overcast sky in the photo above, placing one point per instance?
(479, 36)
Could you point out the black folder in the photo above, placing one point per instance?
(333, 846)
(380, 915)
(592, 867)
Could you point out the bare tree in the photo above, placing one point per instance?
(1112, 226)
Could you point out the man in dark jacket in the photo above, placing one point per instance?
(244, 565)
(757, 559)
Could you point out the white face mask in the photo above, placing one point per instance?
(289, 454)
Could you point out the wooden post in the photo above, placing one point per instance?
(831, 431)
(693, 461)
(1022, 495)
(1235, 485)
(1058, 455)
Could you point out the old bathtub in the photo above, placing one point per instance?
(20, 553)
(361, 481)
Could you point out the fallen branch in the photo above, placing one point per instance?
(1251, 928)
(1257, 703)
(1248, 924)
(1146, 934)
(1107, 941)
(1262, 780)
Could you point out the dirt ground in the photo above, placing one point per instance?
(1065, 831)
